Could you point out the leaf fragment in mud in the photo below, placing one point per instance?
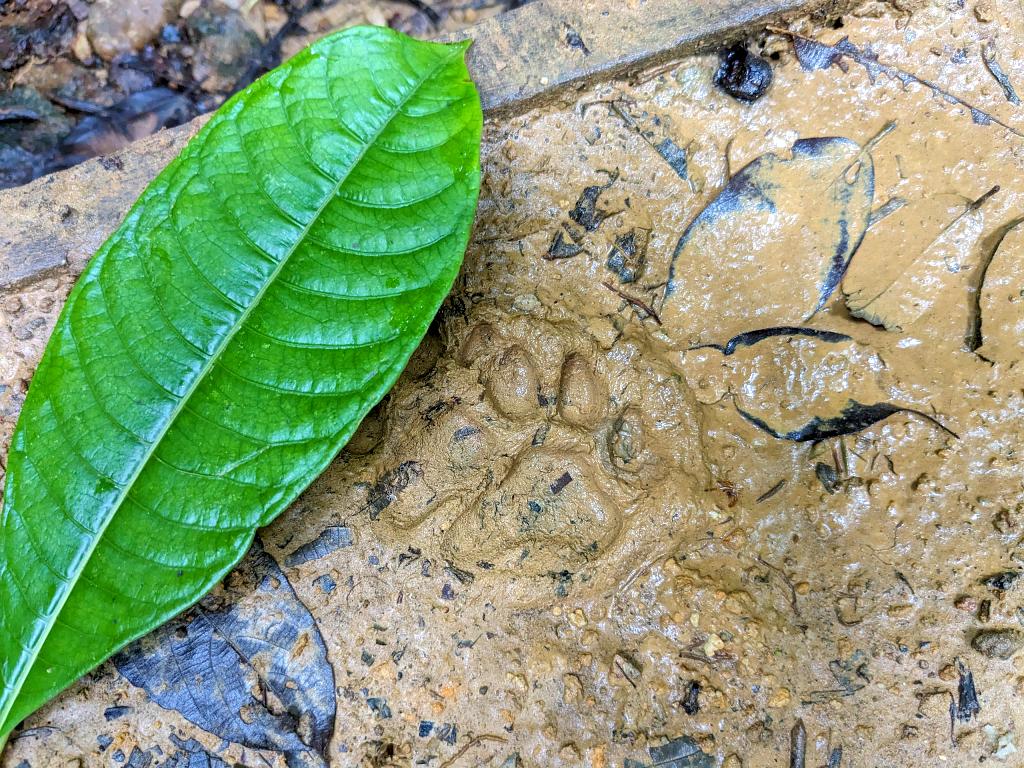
(990, 57)
(782, 231)
(814, 54)
(853, 418)
(331, 539)
(1000, 314)
(749, 338)
(913, 258)
(681, 752)
(250, 668)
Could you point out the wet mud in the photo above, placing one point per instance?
(576, 533)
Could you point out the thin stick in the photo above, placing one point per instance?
(634, 302)
(476, 740)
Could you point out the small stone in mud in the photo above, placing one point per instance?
(743, 75)
(1001, 581)
(691, 701)
(998, 643)
(966, 603)
(827, 476)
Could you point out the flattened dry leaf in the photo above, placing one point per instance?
(911, 258)
(782, 231)
(1002, 301)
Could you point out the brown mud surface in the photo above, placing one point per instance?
(568, 538)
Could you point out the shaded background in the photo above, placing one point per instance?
(81, 78)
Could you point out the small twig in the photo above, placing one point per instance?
(634, 302)
(771, 491)
(622, 671)
(470, 744)
(786, 579)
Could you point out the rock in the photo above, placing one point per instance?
(984, 12)
(116, 27)
(743, 75)
(80, 46)
(227, 46)
(40, 29)
(998, 643)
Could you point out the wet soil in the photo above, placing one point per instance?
(575, 533)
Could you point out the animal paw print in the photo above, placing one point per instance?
(539, 446)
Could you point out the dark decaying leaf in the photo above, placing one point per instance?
(853, 418)
(628, 255)
(998, 318)
(140, 114)
(331, 539)
(749, 338)
(681, 752)
(250, 667)
(654, 130)
(585, 212)
(813, 54)
(991, 59)
(191, 754)
(789, 225)
(967, 704)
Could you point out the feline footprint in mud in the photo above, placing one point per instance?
(539, 441)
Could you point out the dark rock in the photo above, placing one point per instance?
(117, 27)
(1001, 581)
(227, 46)
(743, 75)
(998, 643)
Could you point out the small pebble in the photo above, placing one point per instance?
(743, 75)
(998, 643)
(966, 603)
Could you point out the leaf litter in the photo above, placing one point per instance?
(814, 54)
(814, 204)
(891, 290)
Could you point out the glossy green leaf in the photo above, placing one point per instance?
(263, 294)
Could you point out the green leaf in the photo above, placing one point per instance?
(223, 345)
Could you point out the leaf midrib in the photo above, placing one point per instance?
(29, 662)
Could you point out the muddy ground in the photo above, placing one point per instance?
(599, 522)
